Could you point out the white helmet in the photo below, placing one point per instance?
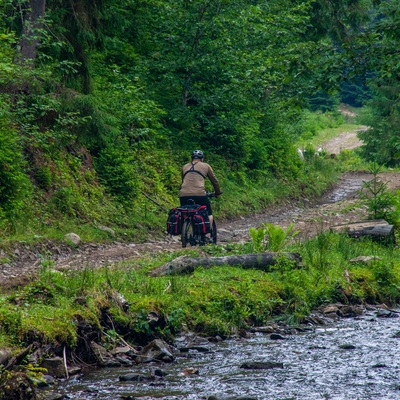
(197, 154)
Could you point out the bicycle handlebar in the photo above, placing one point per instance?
(212, 194)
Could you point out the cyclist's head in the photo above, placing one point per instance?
(197, 154)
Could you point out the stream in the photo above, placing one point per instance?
(352, 358)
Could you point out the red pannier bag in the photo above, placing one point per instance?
(201, 221)
(174, 222)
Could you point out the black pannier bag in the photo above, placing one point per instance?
(201, 221)
(174, 222)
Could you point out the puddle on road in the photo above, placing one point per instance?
(348, 188)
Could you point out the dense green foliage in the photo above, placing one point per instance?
(102, 102)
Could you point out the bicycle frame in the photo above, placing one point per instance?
(191, 233)
(194, 220)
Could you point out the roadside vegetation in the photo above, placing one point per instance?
(82, 206)
(100, 105)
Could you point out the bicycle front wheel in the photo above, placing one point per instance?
(187, 236)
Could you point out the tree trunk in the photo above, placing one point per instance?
(33, 23)
(185, 264)
(378, 230)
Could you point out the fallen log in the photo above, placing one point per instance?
(378, 230)
(185, 264)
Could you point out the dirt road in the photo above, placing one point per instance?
(345, 141)
(338, 206)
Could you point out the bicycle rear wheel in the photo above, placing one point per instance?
(187, 236)
(213, 234)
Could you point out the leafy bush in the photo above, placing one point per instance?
(308, 124)
(380, 201)
(116, 168)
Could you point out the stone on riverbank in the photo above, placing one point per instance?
(55, 366)
(5, 355)
(261, 365)
(136, 378)
(104, 358)
(276, 336)
(157, 350)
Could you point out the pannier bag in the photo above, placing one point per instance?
(174, 222)
(201, 221)
(198, 214)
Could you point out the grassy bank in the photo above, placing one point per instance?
(216, 301)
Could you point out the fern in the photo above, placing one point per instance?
(271, 237)
(257, 236)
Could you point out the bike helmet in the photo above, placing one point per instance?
(197, 154)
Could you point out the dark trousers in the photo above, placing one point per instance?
(202, 200)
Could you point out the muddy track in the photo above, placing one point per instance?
(339, 205)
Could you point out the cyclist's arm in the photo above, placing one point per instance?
(214, 181)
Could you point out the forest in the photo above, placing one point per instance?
(101, 102)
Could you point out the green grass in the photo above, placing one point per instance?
(213, 301)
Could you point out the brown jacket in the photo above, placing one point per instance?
(193, 179)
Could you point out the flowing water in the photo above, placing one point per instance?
(355, 359)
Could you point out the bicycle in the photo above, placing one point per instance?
(195, 225)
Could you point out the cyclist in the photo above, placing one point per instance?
(193, 185)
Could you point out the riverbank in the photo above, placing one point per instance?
(299, 363)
